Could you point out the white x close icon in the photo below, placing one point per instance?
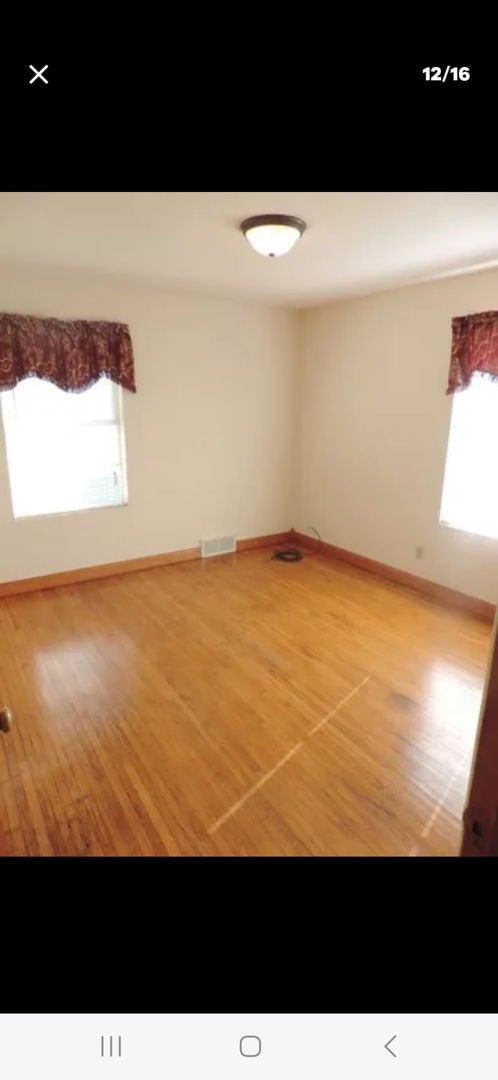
(38, 74)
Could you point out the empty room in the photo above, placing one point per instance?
(248, 522)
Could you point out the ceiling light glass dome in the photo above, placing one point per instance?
(273, 234)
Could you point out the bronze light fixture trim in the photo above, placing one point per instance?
(273, 234)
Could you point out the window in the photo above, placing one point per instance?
(64, 451)
(470, 492)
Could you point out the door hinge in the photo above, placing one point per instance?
(483, 835)
(475, 829)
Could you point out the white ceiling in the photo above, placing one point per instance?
(356, 242)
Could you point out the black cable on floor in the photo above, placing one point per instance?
(293, 554)
(288, 555)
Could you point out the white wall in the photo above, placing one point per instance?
(220, 429)
(374, 428)
(209, 433)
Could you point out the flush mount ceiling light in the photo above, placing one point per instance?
(273, 234)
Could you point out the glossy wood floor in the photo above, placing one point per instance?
(237, 706)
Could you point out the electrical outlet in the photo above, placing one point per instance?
(419, 551)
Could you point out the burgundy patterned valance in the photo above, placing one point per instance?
(73, 355)
(474, 348)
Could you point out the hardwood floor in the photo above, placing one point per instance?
(237, 706)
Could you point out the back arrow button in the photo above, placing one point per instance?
(388, 1044)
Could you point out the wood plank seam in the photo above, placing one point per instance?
(429, 825)
(271, 772)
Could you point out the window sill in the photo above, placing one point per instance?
(69, 513)
(468, 531)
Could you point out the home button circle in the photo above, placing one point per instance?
(250, 1046)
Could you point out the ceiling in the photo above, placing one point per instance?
(357, 242)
